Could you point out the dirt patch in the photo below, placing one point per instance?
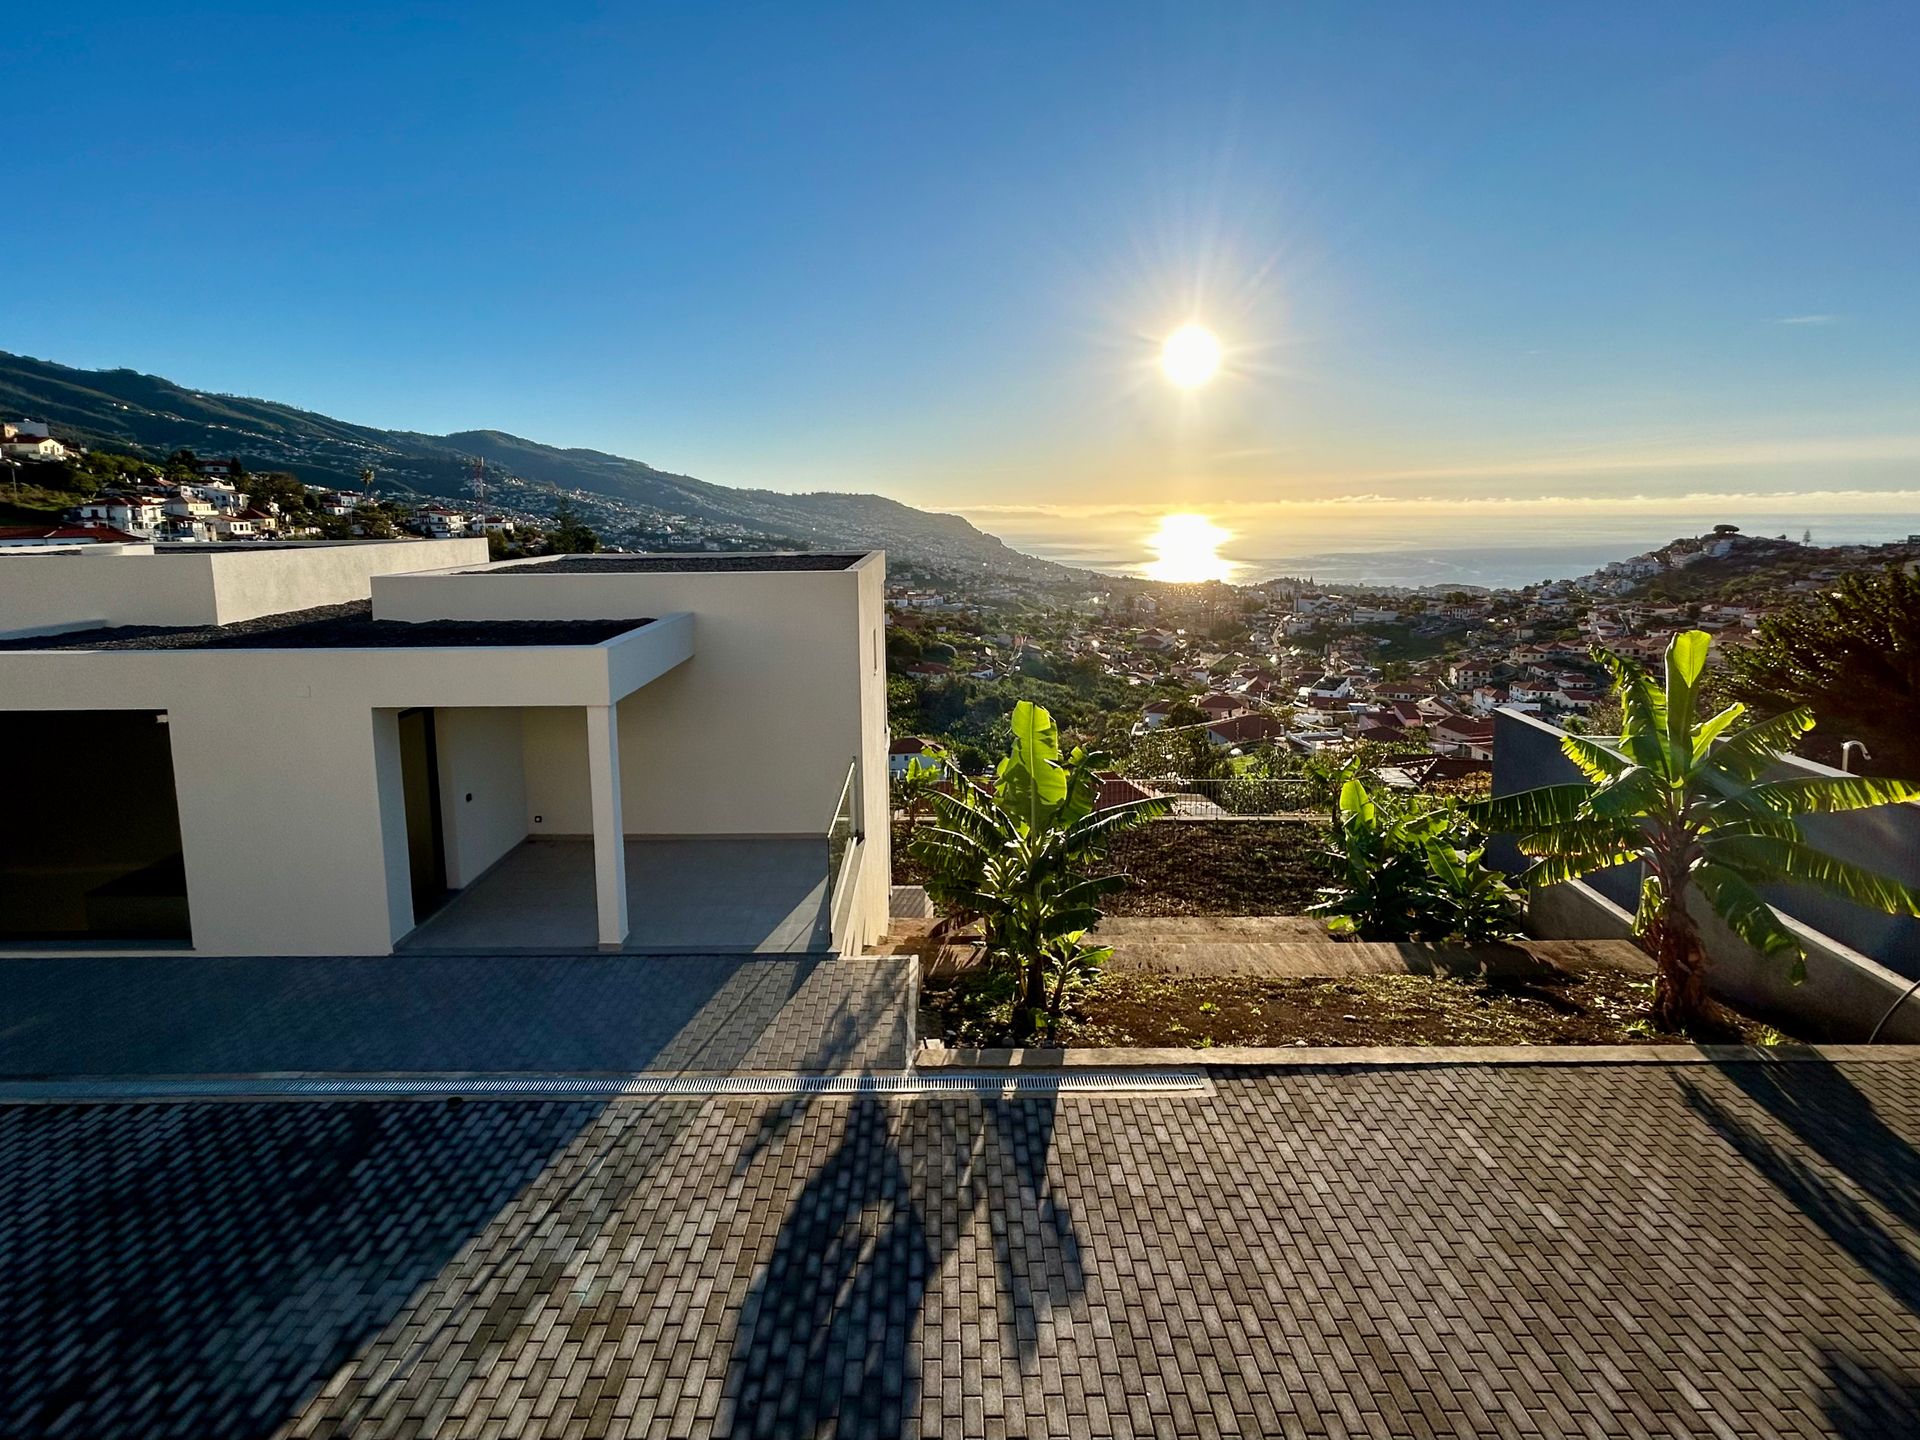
(1199, 866)
(1220, 867)
(1597, 1007)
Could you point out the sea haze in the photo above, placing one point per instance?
(1384, 543)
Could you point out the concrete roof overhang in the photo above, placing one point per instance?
(378, 678)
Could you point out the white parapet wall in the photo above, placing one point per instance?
(44, 593)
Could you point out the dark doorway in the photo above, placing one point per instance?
(90, 844)
(426, 838)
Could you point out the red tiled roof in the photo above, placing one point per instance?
(1463, 728)
(1116, 790)
(1238, 729)
(102, 534)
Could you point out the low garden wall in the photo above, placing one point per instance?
(1527, 754)
(1845, 995)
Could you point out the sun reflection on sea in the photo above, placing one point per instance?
(1187, 550)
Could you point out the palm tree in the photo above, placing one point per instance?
(1020, 856)
(1688, 801)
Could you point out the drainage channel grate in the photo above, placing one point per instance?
(988, 1083)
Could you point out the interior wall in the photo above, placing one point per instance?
(554, 760)
(483, 788)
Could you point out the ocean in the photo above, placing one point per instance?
(1390, 543)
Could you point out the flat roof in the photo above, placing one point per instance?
(670, 564)
(330, 627)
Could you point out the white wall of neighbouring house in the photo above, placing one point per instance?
(205, 587)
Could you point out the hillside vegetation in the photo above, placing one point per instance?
(124, 409)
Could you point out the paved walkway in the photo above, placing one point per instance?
(192, 1015)
(1459, 1251)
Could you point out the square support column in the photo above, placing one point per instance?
(609, 833)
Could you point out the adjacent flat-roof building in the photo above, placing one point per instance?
(346, 749)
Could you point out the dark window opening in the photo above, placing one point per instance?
(90, 838)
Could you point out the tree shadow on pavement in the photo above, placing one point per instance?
(1827, 1113)
(831, 1334)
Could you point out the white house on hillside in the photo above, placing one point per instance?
(348, 749)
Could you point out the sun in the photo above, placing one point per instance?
(1191, 356)
(1187, 550)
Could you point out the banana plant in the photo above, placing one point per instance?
(1411, 871)
(924, 775)
(1689, 801)
(1020, 858)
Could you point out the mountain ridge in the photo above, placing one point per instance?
(122, 407)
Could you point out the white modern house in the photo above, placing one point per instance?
(351, 749)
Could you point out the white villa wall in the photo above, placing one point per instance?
(872, 907)
(251, 583)
(204, 587)
(752, 736)
(76, 591)
(286, 764)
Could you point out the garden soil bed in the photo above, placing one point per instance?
(1597, 1007)
(1201, 867)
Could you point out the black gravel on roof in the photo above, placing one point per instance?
(669, 564)
(331, 627)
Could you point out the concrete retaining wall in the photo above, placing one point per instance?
(1527, 754)
(1843, 997)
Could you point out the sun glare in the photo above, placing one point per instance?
(1187, 550)
(1191, 356)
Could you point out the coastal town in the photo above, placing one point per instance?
(1213, 680)
(1183, 682)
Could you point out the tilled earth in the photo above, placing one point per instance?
(1600, 1007)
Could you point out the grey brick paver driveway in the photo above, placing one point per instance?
(201, 1015)
(1485, 1251)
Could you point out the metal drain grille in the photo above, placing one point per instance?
(988, 1083)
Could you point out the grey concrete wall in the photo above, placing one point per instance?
(1527, 754)
(1844, 996)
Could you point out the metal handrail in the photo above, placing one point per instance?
(844, 834)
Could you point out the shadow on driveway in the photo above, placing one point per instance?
(823, 1344)
(1829, 1115)
(196, 1015)
(199, 1270)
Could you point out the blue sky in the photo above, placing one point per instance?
(1511, 250)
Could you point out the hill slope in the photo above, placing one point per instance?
(126, 409)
